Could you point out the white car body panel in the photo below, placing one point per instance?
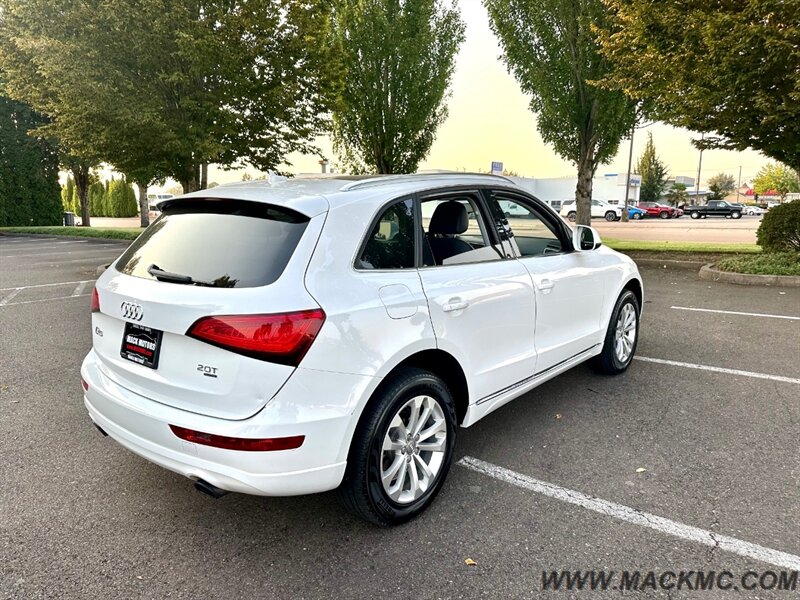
(483, 315)
(503, 322)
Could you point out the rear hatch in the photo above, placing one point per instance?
(231, 260)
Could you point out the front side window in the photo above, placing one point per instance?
(391, 242)
(534, 235)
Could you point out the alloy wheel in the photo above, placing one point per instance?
(413, 449)
(625, 333)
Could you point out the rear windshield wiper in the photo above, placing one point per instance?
(163, 275)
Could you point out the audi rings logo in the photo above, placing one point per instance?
(131, 310)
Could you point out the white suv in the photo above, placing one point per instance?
(600, 210)
(290, 337)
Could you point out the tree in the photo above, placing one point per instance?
(67, 193)
(729, 69)
(96, 193)
(29, 190)
(550, 48)
(161, 88)
(677, 194)
(776, 177)
(721, 185)
(653, 172)
(399, 60)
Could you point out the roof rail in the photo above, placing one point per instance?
(389, 179)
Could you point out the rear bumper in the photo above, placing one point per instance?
(142, 426)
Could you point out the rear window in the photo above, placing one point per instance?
(216, 243)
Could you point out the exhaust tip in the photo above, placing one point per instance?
(201, 485)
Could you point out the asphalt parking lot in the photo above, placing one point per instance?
(702, 434)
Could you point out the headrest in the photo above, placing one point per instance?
(449, 218)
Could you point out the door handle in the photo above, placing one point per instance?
(545, 285)
(455, 304)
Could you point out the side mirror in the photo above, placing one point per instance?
(585, 238)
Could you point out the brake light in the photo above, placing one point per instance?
(95, 301)
(243, 444)
(84, 384)
(282, 338)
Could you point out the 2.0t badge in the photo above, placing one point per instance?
(131, 310)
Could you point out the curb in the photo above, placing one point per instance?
(710, 273)
(685, 265)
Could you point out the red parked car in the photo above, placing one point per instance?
(655, 209)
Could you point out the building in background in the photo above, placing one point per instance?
(554, 190)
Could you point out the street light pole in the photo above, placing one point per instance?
(624, 215)
(739, 185)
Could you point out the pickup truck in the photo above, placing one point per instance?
(714, 208)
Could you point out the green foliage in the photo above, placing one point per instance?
(399, 60)
(780, 228)
(29, 190)
(550, 48)
(653, 172)
(96, 198)
(769, 263)
(721, 185)
(677, 194)
(67, 194)
(729, 69)
(163, 88)
(777, 177)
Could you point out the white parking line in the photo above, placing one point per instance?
(42, 300)
(734, 312)
(79, 288)
(8, 298)
(28, 287)
(635, 516)
(676, 363)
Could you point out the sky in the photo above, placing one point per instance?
(489, 120)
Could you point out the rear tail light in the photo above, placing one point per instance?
(95, 301)
(243, 444)
(85, 385)
(282, 338)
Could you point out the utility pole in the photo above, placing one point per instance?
(739, 185)
(624, 215)
(699, 164)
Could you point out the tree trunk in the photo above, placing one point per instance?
(204, 176)
(81, 176)
(144, 205)
(583, 191)
(189, 182)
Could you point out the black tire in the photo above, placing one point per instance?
(736, 215)
(663, 215)
(611, 216)
(361, 491)
(607, 361)
(694, 214)
(636, 216)
(572, 216)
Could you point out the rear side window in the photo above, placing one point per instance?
(390, 244)
(216, 243)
